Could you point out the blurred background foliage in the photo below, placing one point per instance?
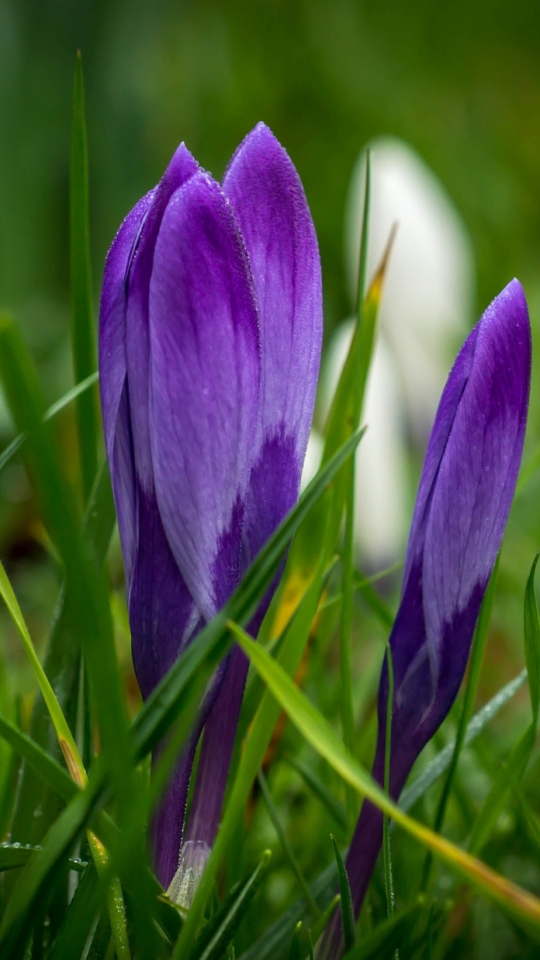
(460, 82)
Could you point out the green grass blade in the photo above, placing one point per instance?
(436, 767)
(347, 912)
(387, 855)
(295, 951)
(316, 730)
(514, 768)
(45, 766)
(82, 330)
(65, 738)
(14, 855)
(284, 841)
(56, 407)
(78, 920)
(381, 944)
(532, 642)
(274, 942)
(221, 929)
(374, 601)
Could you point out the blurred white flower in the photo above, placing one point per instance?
(424, 314)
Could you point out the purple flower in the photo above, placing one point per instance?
(464, 497)
(210, 336)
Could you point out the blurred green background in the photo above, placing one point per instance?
(459, 81)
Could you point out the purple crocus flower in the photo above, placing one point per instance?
(210, 336)
(464, 497)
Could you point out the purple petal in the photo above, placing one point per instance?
(112, 366)
(205, 382)
(270, 206)
(180, 169)
(479, 469)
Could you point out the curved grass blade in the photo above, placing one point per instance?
(45, 766)
(524, 906)
(347, 913)
(82, 327)
(56, 407)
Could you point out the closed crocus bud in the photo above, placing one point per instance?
(210, 334)
(425, 311)
(464, 497)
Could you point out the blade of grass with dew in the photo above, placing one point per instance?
(274, 942)
(86, 588)
(73, 933)
(284, 841)
(436, 767)
(347, 912)
(513, 769)
(524, 906)
(476, 660)
(255, 747)
(82, 327)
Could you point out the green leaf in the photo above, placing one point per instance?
(219, 932)
(82, 329)
(347, 912)
(313, 726)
